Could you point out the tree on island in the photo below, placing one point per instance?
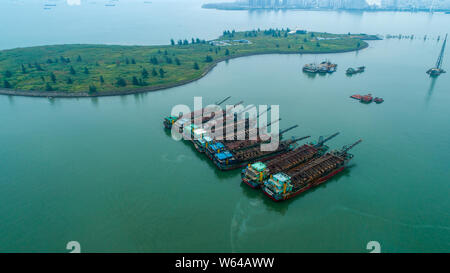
(53, 77)
(162, 72)
(196, 67)
(79, 59)
(177, 61)
(38, 67)
(69, 80)
(6, 84)
(102, 81)
(208, 59)
(92, 88)
(154, 73)
(86, 70)
(48, 87)
(8, 74)
(121, 82)
(227, 52)
(172, 42)
(133, 61)
(72, 71)
(317, 44)
(135, 81)
(154, 60)
(64, 60)
(301, 48)
(24, 70)
(144, 73)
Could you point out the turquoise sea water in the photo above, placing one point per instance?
(103, 172)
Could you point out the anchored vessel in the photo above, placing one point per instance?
(378, 100)
(255, 174)
(352, 71)
(285, 185)
(237, 145)
(363, 98)
(323, 67)
(226, 160)
(437, 70)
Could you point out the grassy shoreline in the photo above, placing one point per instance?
(192, 63)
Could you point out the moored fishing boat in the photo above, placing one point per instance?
(323, 67)
(363, 98)
(351, 71)
(378, 100)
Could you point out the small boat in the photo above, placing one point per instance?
(378, 100)
(356, 97)
(363, 98)
(311, 68)
(367, 98)
(352, 71)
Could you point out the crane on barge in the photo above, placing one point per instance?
(436, 71)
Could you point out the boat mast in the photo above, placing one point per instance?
(441, 55)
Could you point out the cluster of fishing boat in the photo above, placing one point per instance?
(329, 67)
(282, 172)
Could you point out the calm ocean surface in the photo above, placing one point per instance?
(103, 172)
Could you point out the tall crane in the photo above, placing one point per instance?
(437, 70)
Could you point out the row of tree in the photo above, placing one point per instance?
(186, 42)
(155, 61)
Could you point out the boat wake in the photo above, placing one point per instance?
(244, 225)
(178, 158)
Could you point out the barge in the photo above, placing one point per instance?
(226, 160)
(169, 121)
(255, 174)
(285, 185)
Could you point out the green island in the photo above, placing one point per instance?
(99, 70)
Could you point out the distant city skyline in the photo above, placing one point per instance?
(350, 4)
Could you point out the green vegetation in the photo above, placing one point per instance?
(94, 69)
